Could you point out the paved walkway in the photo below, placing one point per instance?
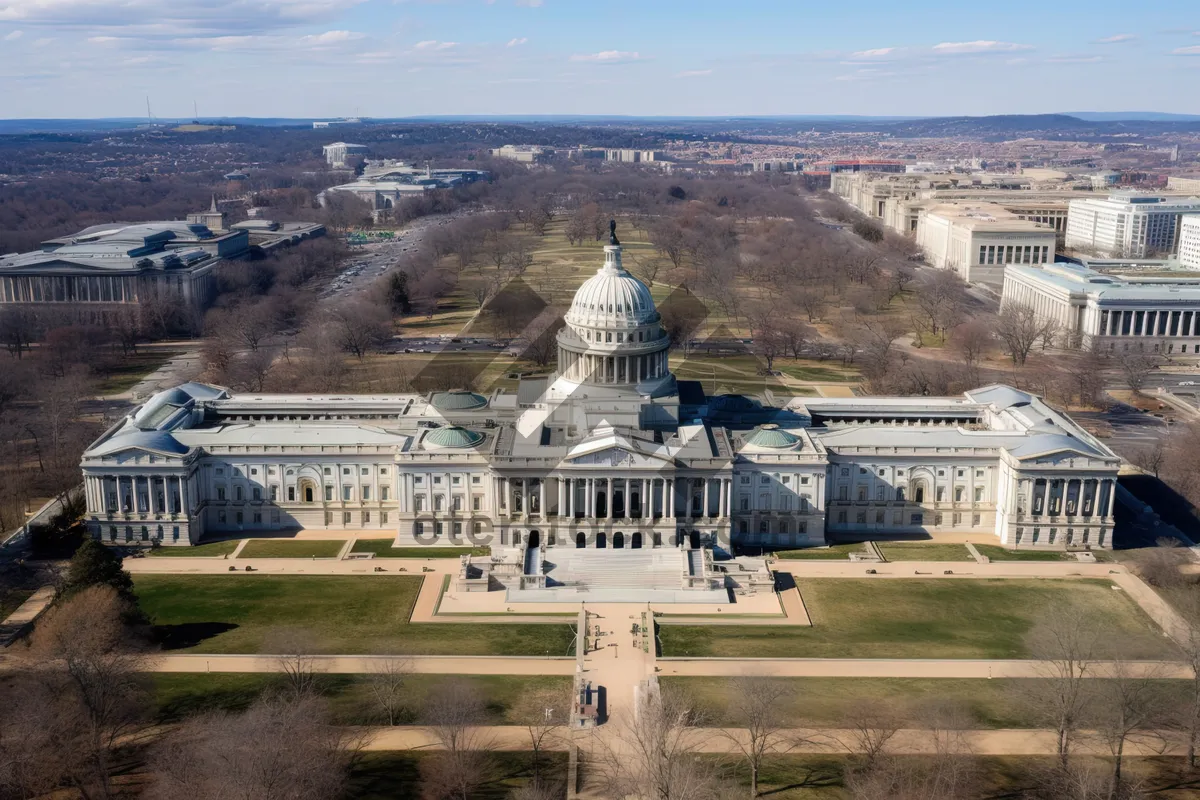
(351, 665)
(25, 615)
(1003, 742)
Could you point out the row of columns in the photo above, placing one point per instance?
(136, 494)
(604, 369)
(1070, 497)
(654, 494)
(1148, 322)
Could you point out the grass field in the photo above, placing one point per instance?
(997, 553)
(392, 775)
(178, 695)
(821, 777)
(834, 551)
(920, 551)
(961, 618)
(121, 375)
(346, 614)
(292, 548)
(210, 550)
(382, 548)
(823, 702)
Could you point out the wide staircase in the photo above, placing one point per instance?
(615, 569)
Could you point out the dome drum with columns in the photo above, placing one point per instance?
(613, 334)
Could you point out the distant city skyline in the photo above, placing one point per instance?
(401, 58)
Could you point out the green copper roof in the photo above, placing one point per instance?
(770, 436)
(453, 436)
(458, 401)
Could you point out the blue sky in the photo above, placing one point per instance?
(387, 58)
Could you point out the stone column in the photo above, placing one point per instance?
(669, 496)
(704, 503)
(608, 498)
(562, 497)
(542, 498)
(1112, 496)
(1046, 499)
(589, 500)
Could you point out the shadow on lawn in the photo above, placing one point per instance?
(188, 634)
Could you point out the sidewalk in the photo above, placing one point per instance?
(896, 668)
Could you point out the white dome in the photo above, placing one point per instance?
(612, 297)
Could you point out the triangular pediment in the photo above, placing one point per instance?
(615, 455)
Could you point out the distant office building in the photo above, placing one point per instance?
(979, 240)
(1154, 313)
(860, 165)
(1128, 224)
(1184, 184)
(91, 276)
(1189, 242)
(343, 155)
(776, 165)
(1104, 180)
(629, 156)
(331, 122)
(385, 183)
(523, 153)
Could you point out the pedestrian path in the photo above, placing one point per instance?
(25, 615)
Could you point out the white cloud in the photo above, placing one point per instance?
(330, 38)
(12, 37)
(432, 44)
(608, 57)
(694, 73)
(44, 41)
(171, 18)
(516, 42)
(980, 46)
(878, 52)
(1074, 59)
(1117, 39)
(1192, 50)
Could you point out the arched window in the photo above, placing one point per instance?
(900, 493)
(618, 540)
(581, 540)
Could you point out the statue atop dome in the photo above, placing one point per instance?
(612, 233)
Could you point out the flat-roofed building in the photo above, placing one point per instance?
(1156, 313)
(341, 155)
(1185, 184)
(979, 240)
(1128, 224)
(1189, 242)
(523, 153)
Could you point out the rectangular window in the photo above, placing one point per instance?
(345, 517)
(328, 518)
(220, 492)
(476, 480)
(258, 518)
(346, 492)
(476, 503)
(274, 493)
(328, 493)
(978, 494)
(974, 520)
(239, 518)
(221, 517)
(366, 491)
(257, 493)
(385, 492)
(366, 517)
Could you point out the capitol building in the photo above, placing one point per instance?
(608, 452)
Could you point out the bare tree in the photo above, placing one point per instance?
(277, 750)
(1150, 457)
(1136, 368)
(972, 340)
(544, 712)
(1063, 642)
(654, 754)
(870, 727)
(361, 326)
(293, 650)
(1188, 605)
(386, 680)
(1127, 704)
(454, 714)
(761, 712)
(89, 662)
(1019, 328)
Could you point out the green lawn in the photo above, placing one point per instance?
(834, 551)
(922, 551)
(998, 553)
(823, 702)
(382, 548)
(347, 614)
(211, 550)
(178, 695)
(292, 548)
(392, 775)
(956, 618)
(120, 374)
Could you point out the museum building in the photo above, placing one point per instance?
(609, 451)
